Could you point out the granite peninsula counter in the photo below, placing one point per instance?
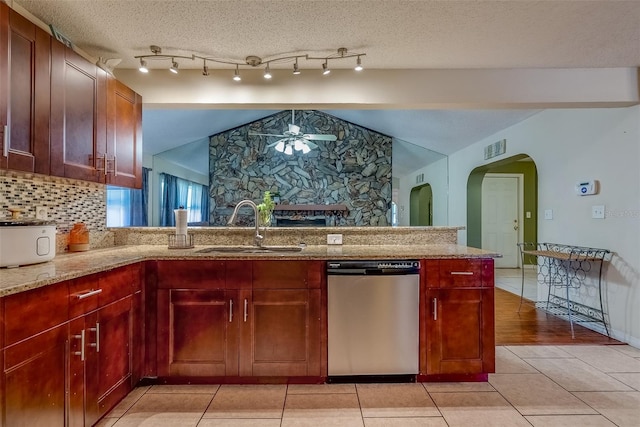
(72, 265)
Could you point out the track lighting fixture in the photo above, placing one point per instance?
(143, 66)
(251, 61)
(174, 66)
(325, 68)
(358, 65)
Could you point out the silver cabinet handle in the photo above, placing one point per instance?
(435, 309)
(89, 294)
(462, 273)
(5, 141)
(230, 310)
(81, 352)
(97, 343)
(106, 165)
(246, 309)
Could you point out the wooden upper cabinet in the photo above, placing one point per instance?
(25, 87)
(124, 135)
(78, 116)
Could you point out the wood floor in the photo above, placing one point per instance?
(533, 326)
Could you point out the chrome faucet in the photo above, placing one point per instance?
(257, 238)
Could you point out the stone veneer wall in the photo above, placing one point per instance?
(67, 202)
(355, 170)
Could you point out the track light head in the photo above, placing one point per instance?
(358, 65)
(236, 75)
(174, 66)
(205, 69)
(325, 68)
(296, 70)
(267, 72)
(143, 66)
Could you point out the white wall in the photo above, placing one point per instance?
(569, 146)
(436, 175)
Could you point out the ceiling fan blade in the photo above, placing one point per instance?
(311, 145)
(264, 134)
(320, 137)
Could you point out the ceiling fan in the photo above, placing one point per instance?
(293, 139)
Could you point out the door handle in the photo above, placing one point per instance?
(5, 141)
(435, 309)
(97, 343)
(81, 352)
(230, 310)
(246, 309)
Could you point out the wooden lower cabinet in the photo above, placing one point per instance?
(460, 331)
(198, 332)
(246, 326)
(457, 319)
(35, 376)
(281, 335)
(70, 367)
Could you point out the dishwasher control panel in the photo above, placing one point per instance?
(373, 267)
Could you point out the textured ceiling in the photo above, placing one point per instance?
(394, 33)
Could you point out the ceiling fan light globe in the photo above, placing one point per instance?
(280, 146)
(305, 149)
(288, 151)
(298, 144)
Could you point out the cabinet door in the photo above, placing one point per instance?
(113, 346)
(460, 331)
(281, 333)
(83, 387)
(26, 56)
(78, 116)
(124, 135)
(35, 380)
(198, 332)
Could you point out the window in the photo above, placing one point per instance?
(176, 192)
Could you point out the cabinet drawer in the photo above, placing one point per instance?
(116, 284)
(459, 273)
(83, 295)
(191, 274)
(31, 312)
(287, 274)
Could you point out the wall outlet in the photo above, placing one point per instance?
(334, 239)
(548, 214)
(42, 212)
(597, 211)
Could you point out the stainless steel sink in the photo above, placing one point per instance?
(250, 249)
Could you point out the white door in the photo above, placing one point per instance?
(501, 217)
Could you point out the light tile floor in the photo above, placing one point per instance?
(540, 386)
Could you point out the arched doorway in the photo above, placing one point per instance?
(421, 205)
(522, 165)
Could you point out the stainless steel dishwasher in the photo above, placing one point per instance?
(373, 318)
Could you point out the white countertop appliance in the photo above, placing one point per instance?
(26, 241)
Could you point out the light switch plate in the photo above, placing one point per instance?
(334, 239)
(548, 214)
(597, 211)
(41, 212)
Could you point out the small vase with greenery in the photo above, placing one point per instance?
(266, 209)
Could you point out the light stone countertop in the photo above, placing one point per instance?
(73, 265)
